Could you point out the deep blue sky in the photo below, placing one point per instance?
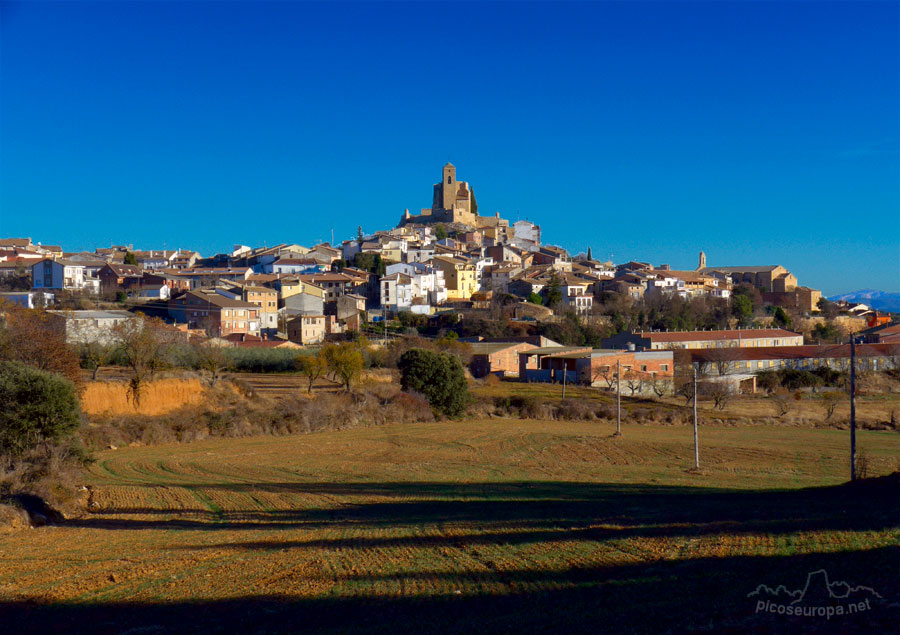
(760, 132)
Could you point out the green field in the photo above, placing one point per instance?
(471, 526)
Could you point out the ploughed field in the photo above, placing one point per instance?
(468, 526)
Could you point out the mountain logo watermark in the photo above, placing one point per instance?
(819, 598)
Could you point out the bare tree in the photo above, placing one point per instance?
(634, 381)
(720, 392)
(722, 358)
(210, 356)
(831, 400)
(607, 374)
(145, 346)
(657, 385)
(685, 389)
(783, 403)
(95, 355)
(37, 338)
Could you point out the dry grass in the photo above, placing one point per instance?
(159, 397)
(481, 525)
(875, 408)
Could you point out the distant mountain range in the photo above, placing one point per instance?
(876, 299)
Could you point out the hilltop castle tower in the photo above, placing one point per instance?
(453, 200)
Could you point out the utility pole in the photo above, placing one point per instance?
(618, 398)
(696, 440)
(852, 408)
(564, 381)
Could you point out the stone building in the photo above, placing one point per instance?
(82, 327)
(727, 338)
(453, 202)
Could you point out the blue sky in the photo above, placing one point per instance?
(760, 132)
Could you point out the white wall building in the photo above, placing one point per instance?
(396, 292)
(428, 285)
(57, 274)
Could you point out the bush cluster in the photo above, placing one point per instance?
(796, 379)
(438, 376)
(531, 407)
(236, 415)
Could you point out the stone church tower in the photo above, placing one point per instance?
(702, 264)
(452, 201)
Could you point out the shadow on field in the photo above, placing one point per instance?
(521, 512)
(669, 593)
(700, 595)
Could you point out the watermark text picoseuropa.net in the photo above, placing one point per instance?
(827, 611)
(819, 598)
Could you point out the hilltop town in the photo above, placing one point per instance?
(447, 268)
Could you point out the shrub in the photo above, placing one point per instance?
(491, 380)
(438, 376)
(50, 471)
(262, 360)
(576, 410)
(35, 406)
(768, 380)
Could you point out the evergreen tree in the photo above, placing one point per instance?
(438, 376)
(553, 291)
(781, 318)
(35, 406)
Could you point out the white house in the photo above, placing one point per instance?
(292, 265)
(155, 259)
(526, 235)
(155, 292)
(57, 274)
(28, 299)
(480, 264)
(575, 295)
(396, 292)
(427, 282)
(419, 254)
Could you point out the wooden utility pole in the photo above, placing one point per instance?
(852, 408)
(696, 439)
(618, 398)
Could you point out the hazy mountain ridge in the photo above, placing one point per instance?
(881, 300)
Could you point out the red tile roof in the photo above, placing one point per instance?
(791, 352)
(713, 336)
